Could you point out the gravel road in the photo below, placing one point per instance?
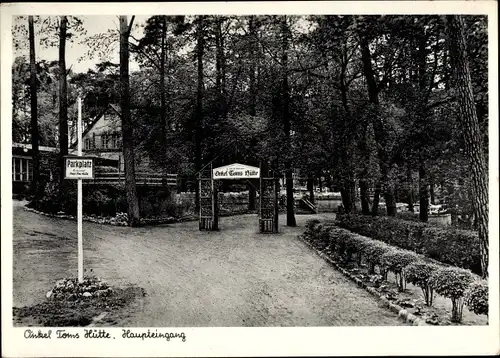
(234, 277)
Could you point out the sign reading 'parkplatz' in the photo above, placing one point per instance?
(236, 171)
(79, 168)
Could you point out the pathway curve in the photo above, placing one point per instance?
(235, 277)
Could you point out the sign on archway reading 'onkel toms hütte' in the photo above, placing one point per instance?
(79, 168)
(236, 171)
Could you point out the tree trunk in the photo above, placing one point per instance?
(310, 187)
(346, 199)
(163, 99)
(198, 117)
(35, 183)
(352, 187)
(346, 149)
(376, 198)
(421, 114)
(285, 113)
(127, 126)
(363, 192)
(328, 179)
(471, 132)
(363, 185)
(390, 202)
(423, 184)
(431, 190)
(220, 78)
(378, 127)
(63, 99)
(409, 181)
(252, 29)
(252, 103)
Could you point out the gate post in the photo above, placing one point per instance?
(207, 219)
(276, 207)
(215, 205)
(268, 202)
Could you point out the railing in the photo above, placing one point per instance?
(146, 179)
(308, 204)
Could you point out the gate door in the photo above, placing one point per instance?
(208, 204)
(268, 198)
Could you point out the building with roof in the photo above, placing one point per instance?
(102, 138)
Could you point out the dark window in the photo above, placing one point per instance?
(24, 170)
(105, 141)
(116, 141)
(16, 169)
(30, 170)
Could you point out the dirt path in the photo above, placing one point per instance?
(235, 277)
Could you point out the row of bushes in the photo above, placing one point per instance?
(460, 285)
(107, 201)
(451, 246)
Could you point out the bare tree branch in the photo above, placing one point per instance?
(129, 30)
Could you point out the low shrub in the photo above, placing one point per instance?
(146, 208)
(310, 224)
(355, 245)
(50, 201)
(323, 237)
(452, 282)
(476, 297)
(99, 202)
(121, 204)
(338, 243)
(419, 273)
(408, 216)
(448, 245)
(55, 199)
(396, 260)
(374, 251)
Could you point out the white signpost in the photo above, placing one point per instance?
(236, 171)
(79, 168)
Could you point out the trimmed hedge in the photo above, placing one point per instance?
(396, 260)
(451, 282)
(451, 246)
(419, 274)
(476, 297)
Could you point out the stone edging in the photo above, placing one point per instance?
(401, 312)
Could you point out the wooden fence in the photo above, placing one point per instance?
(144, 179)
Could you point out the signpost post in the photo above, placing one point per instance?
(79, 168)
(79, 188)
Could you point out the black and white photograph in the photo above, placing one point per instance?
(209, 168)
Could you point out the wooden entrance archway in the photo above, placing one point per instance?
(208, 179)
